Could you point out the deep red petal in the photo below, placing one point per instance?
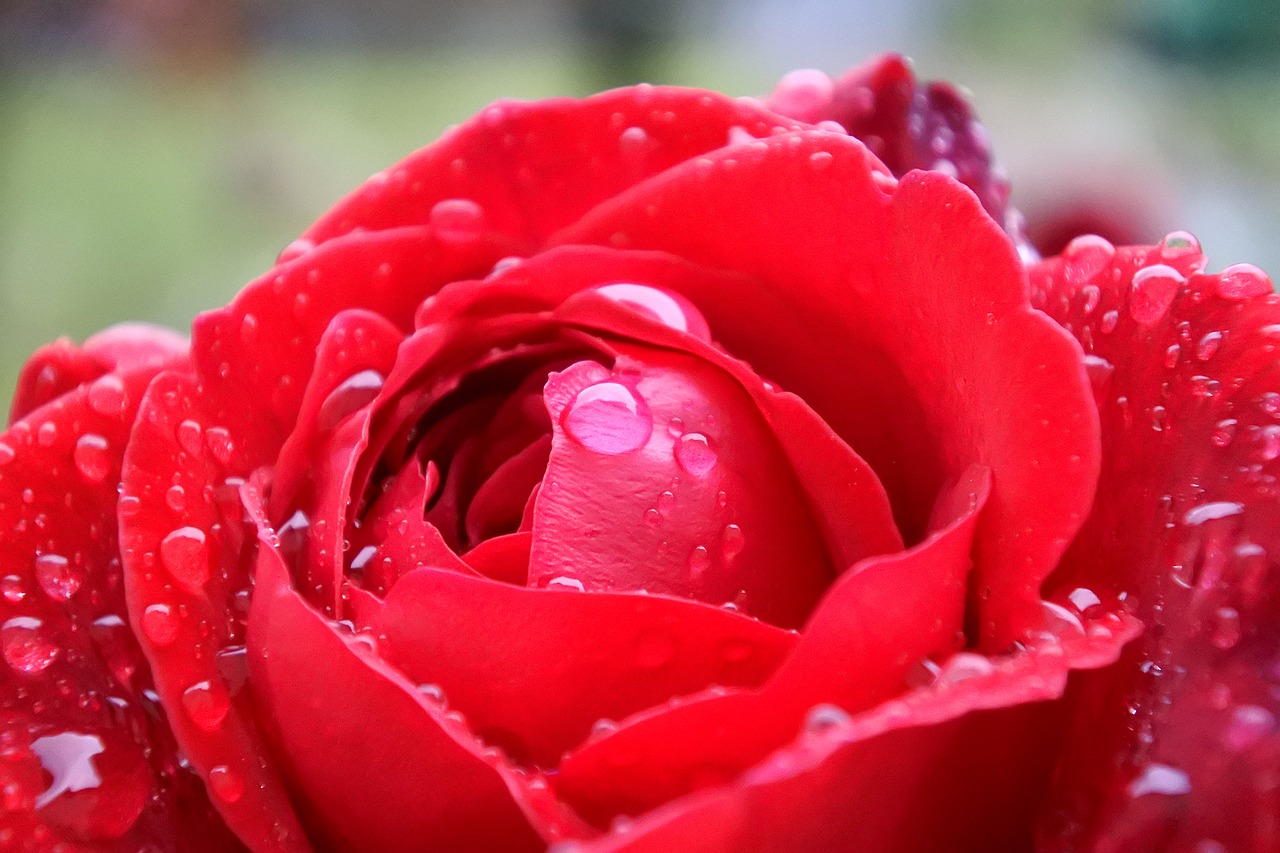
(685, 493)
(955, 766)
(907, 303)
(525, 170)
(906, 122)
(1180, 744)
(877, 622)
(181, 535)
(375, 764)
(534, 670)
(89, 758)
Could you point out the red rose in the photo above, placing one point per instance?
(655, 472)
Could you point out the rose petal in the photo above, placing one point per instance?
(968, 746)
(397, 802)
(1186, 522)
(880, 619)
(534, 670)
(526, 169)
(926, 300)
(180, 540)
(707, 510)
(89, 761)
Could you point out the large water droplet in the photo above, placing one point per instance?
(1153, 292)
(160, 624)
(732, 542)
(185, 555)
(1179, 244)
(207, 704)
(189, 433)
(566, 582)
(1086, 256)
(1160, 779)
(354, 393)
(699, 561)
(609, 418)
(25, 647)
(1212, 511)
(459, 221)
(695, 453)
(1243, 281)
(67, 757)
(226, 784)
(1208, 346)
(57, 577)
(824, 718)
(13, 588)
(92, 457)
(963, 666)
(656, 304)
(107, 395)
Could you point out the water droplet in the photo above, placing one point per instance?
(1224, 432)
(188, 434)
(1110, 319)
(1226, 628)
(207, 704)
(57, 577)
(433, 692)
(672, 311)
(923, 674)
(226, 784)
(1152, 294)
(25, 648)
(1243, 281)
(1269, 443)
(92, 458)
(129, 506)
(1160, 779)
(566, 582)
(652, 517)
(823, 718)
(699, 561)
(1171, 356)
(218, 440)
(1083, 599)
(185, 554)
(732, 542)
(13, 589)
(1212, 511)
(160, 624)
(1086, 256)
(821, 160)
(362, 558)
(1208, 346)
(295, 250)
(1249, 724)
(176, 497)
(353, 394)
(1179, 244)
(963, 666)
(1092, 295)
(695, 453)
(602, 727)
(609, 418)
(47, 434)
(1057, 623)
(107, 395)
(458, 221)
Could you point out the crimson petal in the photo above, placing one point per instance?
(1179, 745)
(913, 286)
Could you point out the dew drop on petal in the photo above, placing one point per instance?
(13, 589)
(226, 784)
(566, 582)
(1152, 294)
(1161, 779)
(159, 624)
(963, 666)
(25, 647)
(92, 458)
(1207, 348)
(1179, 244)
(824, 718)
(1249, 724)
(185, 555)
(695, 453)
(671, 310)
(1242, 281)
(609, 418)
(207, 704)
(699, 561)
(47, 434)
(732, 542)
(106, 395)
(459, 221)
(189, 433)
(57, 577)
(1086, 256)
(352, 394)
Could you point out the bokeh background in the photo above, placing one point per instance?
(156, 154)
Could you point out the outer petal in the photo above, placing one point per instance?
(968, 746)
(1180, 746)
(907, 123)
(909, 304)
(375, 764)
(89, 759)
(533, 670)
(877, 622)
(525, 170)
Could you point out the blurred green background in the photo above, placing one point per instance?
(156, 154)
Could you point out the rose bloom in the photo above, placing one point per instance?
(660, 471)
